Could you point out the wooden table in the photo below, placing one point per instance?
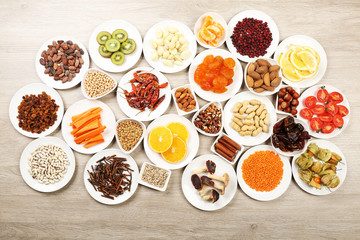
(72, 213)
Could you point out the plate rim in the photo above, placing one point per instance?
(24, 161)
(93, 193)
(345, 102)
(183, 162)
(214, 158)
(286, 180)
(79, 148)
(46, 89)
(163, 68)
(92, 51)
(296, 175)
(222, 97)
(167, 93)
(46, 79)
(255, 14)
(282, 46)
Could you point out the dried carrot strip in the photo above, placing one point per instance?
(263, 171)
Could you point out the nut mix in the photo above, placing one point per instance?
(261, 76)
(62, 60)
(185, 99)
(129, 133)
(48, 164)
(37, 112)
(209, 120)
(97, 84)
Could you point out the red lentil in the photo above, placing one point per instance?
(251, 37)
(262, 171)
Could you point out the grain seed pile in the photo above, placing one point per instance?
(97, 84)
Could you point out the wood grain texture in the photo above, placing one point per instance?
(72, 214)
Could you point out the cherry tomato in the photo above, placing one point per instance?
(326, 117)
(338, 121)
(328, 128)
(280, 100)
(343, 111)
(288, 110)
(331, 108)
(336, 97)
(294, 112)
(306, 113)
(322, 95)
(318, 109)
(317, 180)
(316, 124)
(310, 101)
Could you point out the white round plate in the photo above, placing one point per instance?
(210, 95)
(266, 92)
(312, 92)
(218, 19)
(259, 16)
(192, 142)
(192, 195)
(35, 88)
(303, 40)
(24, 164)
(340, 171)
(107, 119)
(96, 194)
(146, 115)
(289, 154)
(57, 84)
(105, 63)
(228, 115)
(151, 35)
(264, 196)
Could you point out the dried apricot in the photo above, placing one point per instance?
(208, 59)
(227, 72)
(229, 62)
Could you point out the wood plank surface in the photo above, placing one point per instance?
(72, 214)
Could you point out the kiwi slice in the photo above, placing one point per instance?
(128, 46)
(104, 52)
(120, 34)
(112, 45)
(118, 58)
(102, 37)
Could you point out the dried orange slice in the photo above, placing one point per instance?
(176, 152)
(179, 130)
(160, 139)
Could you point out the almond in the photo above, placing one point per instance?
(249, 81)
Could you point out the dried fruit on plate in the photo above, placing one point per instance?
(211, 32)
(215, 73)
